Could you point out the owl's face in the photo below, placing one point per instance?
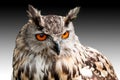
(50, 33)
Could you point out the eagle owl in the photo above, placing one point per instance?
(47, 48)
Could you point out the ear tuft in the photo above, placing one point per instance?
(32, 12)
(72, 14)
(35, 16)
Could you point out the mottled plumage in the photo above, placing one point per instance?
(47, 48)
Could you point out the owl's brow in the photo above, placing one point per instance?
(39, 28)
(37, 23)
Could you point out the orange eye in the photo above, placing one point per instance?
(41, 37)
(65, 35)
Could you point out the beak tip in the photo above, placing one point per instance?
(58, 52)
(56, 48)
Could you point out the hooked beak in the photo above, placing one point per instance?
(56, 48)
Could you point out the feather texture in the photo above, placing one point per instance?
(39, 60)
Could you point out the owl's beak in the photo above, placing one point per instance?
(56, 48)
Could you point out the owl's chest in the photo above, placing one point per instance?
(68, 63)
(62, 67)
(41, 66)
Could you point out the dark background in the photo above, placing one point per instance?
(97, 25)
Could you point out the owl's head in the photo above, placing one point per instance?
(50, 33)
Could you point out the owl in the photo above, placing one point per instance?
(47, 48)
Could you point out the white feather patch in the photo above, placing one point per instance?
(86, 72)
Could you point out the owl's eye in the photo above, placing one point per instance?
(65, 35)
(41, 36)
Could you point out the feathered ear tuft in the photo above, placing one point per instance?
(72, 14)
(32, 12)
(35, 16)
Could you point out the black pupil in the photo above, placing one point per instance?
(42, 34)
(65, 33)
